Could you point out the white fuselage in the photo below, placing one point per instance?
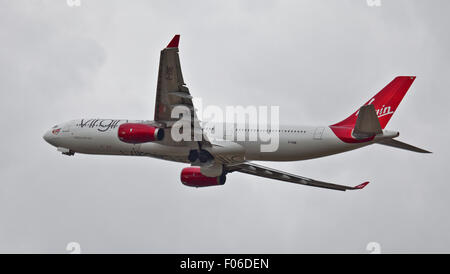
(100, 136)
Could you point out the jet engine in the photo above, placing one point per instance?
(134, 133)
(191, 176)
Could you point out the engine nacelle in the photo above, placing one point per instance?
(191, 176)
(134, 133)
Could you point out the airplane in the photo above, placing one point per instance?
(211, 159)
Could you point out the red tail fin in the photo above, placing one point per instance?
(385, 102)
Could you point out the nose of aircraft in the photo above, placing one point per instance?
(48, 137)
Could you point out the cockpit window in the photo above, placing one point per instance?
(55, 126)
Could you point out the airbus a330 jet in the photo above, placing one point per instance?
(211, 159)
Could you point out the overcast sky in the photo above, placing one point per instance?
(317, 60)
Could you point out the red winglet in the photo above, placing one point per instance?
(174, 42)
(361, 186)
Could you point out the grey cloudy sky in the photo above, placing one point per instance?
(317, 60)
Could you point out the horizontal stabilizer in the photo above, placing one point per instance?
(401, 145)
(367, 123)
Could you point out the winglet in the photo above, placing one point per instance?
(174, 42)
(361, 186)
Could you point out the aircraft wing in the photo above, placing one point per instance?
(171, 91)
(262, 171)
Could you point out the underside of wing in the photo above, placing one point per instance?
(172, 93)
(261, 171)
(171, 89)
